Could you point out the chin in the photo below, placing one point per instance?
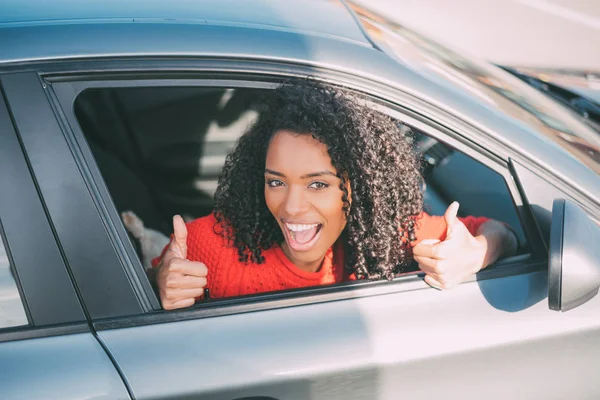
(314, 255)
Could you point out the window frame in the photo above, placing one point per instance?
(58, 172)
(66, 88)
(54, 307)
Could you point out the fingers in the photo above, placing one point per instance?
(182, 294)
(438, 251)
(186, 267)
(433, 265)
(433, 282)
(450, 217)
(180, 304)
(180, 282)
(451, 212)
(438, 269)
(423, 250)
(450, 262)
(180, 298)
(439, 273)
(441, 281)
(185, 282)
(429, 242)
(179, 242)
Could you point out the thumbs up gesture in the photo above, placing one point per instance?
(450, 262)
(179, 280)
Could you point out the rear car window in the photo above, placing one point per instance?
(12, 312)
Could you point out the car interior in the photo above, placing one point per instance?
(160, 151)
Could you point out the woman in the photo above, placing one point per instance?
(320, 190)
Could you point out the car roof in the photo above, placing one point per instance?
(318, 17)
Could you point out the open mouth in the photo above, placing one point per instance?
(302, 237)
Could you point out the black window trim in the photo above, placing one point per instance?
(21, 333)
(56, 173)
(66, 89)
(55, 304)
(519, 265)
(101, 196)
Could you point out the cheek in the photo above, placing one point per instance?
(332, 209)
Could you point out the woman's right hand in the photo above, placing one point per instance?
(179, 280)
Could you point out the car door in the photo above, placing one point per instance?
(47, 349)
(491, 337)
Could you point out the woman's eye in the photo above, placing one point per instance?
(318, 185)
(274, 182)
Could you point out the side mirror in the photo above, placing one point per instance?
(574, 257)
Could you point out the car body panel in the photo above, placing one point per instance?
(309, 17)
(375, 347)
(59, 367)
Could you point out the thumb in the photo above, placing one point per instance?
(450, 217)
(180, 233)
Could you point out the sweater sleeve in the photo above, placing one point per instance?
(434, 227)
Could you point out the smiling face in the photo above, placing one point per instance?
(303, 193)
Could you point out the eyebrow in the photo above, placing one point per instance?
(311, 175)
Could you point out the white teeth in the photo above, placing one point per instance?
(300, 227)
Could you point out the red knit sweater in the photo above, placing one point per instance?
(227, 276)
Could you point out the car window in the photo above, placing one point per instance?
(12, 312)
(451, 175)
(161, 150)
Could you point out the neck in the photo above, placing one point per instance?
(308, 266)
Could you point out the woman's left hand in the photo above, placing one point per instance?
(448, 263)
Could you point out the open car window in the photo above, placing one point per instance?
(160, 151)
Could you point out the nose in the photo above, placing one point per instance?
(296, 202)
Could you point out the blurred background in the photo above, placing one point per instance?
(557, 34)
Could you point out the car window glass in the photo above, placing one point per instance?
(161, 151)
(450, 175)
(12, 312)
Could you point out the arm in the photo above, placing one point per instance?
(458, 253)
(497, 240)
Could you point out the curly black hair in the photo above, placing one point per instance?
(367, 148)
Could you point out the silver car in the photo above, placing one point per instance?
(94, 91)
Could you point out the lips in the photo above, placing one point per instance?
(302, 237)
